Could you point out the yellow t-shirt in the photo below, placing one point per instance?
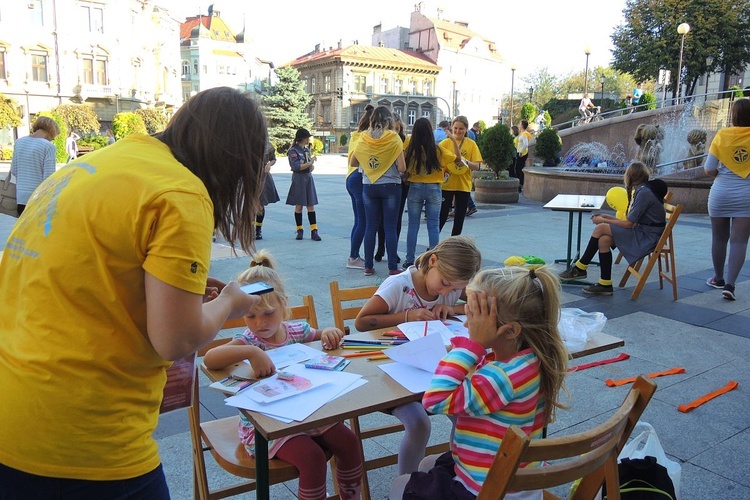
(81, 384)
(446, 157)
(460, 176)
(352, 146)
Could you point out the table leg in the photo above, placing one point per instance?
(570, 240)
(578, 240)
(261, 467)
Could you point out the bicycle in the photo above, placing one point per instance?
(595, 116)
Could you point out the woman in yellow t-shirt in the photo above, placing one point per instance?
(107, 280)
(457, 184)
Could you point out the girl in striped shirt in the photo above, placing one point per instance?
(508, 372)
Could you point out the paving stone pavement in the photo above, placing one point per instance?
(702, 332)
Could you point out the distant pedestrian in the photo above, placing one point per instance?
(475, 132)
(398, 127)
(302, 190)
(34, 159)
(354, 188)
(522, 152)
(457, 185)
(269, 194)
(729, 199)
(110, 137)
(71, 145)
(441, 131)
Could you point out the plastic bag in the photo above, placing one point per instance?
(576, 326)
(646, 443)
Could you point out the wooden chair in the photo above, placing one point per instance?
(220, 436)
(590, 455)
(663, 254)
(341, 314)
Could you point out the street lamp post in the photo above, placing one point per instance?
(602, 82)
(512, 83)
(709, 62)
(683, 29)
(454, 99)
(587, 51)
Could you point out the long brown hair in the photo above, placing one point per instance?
(532, 299)
(458, 258)
(636, 174)
(220, 136)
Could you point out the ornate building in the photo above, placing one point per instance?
(342, 81)
(109, 55)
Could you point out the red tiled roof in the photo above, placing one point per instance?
(215, 25)
(366, 53)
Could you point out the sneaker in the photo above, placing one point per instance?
(314, 235)
(573, 273)
(598, 289)
(300, 233)
(407, 265)
(357, 263)
(714, 283)
(728, 292)
(471, 211)
(369, 271)
(393, 272)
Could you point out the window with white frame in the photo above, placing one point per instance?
(39, 67)
(36, 12)
(326, 113)
(413, 87)
(383, 84)
(185, 68)
(360, 84)
(92, 16)
(312, 85)
(426, 113)
(398, 86)
(428, 88)
(94, 70)
(3, 72)
(326, 83)
(412, 117)
(195, 66)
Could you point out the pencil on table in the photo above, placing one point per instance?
(425, 329)
(378, 357)
(364, 347)
(360, 354)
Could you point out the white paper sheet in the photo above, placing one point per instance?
(415, 330)
(413, 379)
(415, 361)
(302, 405)
(291, 354)
(273, 388)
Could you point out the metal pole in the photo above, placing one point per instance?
(512, 83)
(679, 71)
(586, 74)
(453, 113)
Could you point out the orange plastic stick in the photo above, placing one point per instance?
(630, 380)
(360, 354)
(732, 385)
(621, 357)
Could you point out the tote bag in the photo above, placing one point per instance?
(8, 203)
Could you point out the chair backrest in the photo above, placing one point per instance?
(306, 312)
(341, 295)
(591, 455)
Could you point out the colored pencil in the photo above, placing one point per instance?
(425, 329)
(366, 347)
(360, 354)
(377, 358)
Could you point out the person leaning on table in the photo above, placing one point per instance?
(102, 287)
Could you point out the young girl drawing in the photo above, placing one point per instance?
(635, 237)
(266, 329)
(513, 312)
(428, 290)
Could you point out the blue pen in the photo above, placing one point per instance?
(245, 386)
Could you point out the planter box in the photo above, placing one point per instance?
(496, 190)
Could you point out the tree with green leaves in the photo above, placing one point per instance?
(126, 123)
(284, 107)
(154, 119)
(78, 117)
(546, 86)
(648, 40)
(61, 154)
(8, 112)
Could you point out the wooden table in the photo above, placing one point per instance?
(574, 203)
(380, 393)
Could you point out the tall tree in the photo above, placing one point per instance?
(285, 105)
(546, 86)
(648, 40)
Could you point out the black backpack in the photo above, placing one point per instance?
(644, 479)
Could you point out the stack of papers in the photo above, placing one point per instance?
(446, 329)
(309, 390)
(415, 361)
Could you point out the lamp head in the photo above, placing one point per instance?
(602, 79)
(709, 61)
(683, 29)
(587, 50)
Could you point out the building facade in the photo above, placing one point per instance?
(111, 55)
(213, 56)
(344, 80)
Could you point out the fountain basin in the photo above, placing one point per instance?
(690, 187)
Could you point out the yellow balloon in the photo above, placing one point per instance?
(514, 260)
(617, 199)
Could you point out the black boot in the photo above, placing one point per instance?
(258, 234)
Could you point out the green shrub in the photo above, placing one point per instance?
(528, 111)
(126, 123)
(649, 100)
(78, 117)
(8, 112)
(92, 141)
(59, 141)
(154, 119)
(496, 146)
(482, 126)
(548, 147)
(316, 146)
(344, 139)
(547, 119)
(736, 91)
(6, 154)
